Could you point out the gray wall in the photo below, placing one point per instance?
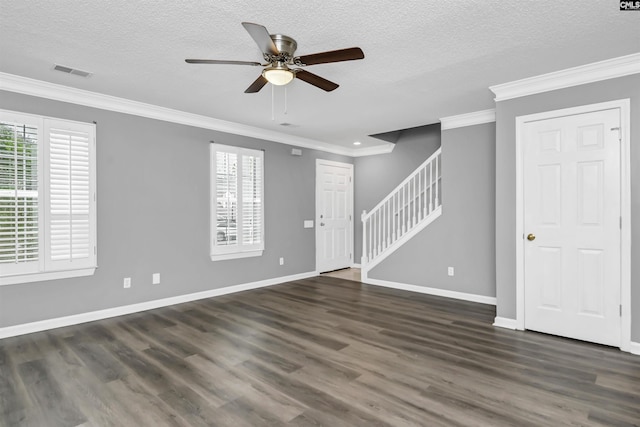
(506, 113)
(376, 176)
(463, 237)
(153, 215)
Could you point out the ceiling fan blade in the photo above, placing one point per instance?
(257, 85)
(216, 61)
(349, 54)
(316, 80)
(262, 38)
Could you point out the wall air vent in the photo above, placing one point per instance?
(70, 70)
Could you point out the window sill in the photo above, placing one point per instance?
(41, 277)
(235, 255)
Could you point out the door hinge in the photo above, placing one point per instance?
(350, 256)
(349, 179)
(620, 310)
(619, 133)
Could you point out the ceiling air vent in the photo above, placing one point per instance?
(70, 70)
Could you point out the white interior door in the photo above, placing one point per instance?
(334, 214)
(572, 238)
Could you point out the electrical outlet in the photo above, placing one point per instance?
(127, 282)
(450, 271)
(281, 261)
(155, 279)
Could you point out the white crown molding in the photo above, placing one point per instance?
(371, 151)
(42, 89)
(589, 73)
(431, 291)
(76, 319)
(469, 119)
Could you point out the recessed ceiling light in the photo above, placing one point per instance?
(357, 143)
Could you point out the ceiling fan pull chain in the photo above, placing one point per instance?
(273, 109)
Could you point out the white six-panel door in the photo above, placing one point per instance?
(571, 190)
(334, 206)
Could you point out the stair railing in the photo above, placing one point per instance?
(405, 208)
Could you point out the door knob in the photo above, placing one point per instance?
(322, 224)
(531, 237)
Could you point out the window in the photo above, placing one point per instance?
(237, 204)
(47, 198)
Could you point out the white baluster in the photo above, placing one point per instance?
(407, 224)
(419, 204)
(424, 199)
(403, 227)
(371, 241)
(384, 227)
(413, 201)
(430, 187)
(437, 181)
(378, 235)
(363, 260)
(389, 220)
(396, 218)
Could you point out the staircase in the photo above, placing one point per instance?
(407, 210)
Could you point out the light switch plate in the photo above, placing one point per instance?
(308, 223)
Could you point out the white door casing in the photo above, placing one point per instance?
(334, 215)
(573, 279)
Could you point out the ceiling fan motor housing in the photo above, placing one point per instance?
(285, 45)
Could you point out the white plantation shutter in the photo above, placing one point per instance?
(69, 226)
(226, 198)
(19, 195)
(47, 198)
(237, 204)
(251, 199)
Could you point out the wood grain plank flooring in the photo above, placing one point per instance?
(324, 351)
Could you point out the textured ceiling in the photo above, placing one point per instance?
(424, 59)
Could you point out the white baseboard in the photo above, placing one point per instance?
(634, 348)
(431, 291)
(354, 265)
(43, 325)
(503, 322)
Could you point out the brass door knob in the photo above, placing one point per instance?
(531, 237)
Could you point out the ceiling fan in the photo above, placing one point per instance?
(278, 50)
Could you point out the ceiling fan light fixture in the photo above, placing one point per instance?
(278, 75)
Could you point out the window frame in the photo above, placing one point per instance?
(45, 268)
(239, 249)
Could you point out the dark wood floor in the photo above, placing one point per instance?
(321, 351)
